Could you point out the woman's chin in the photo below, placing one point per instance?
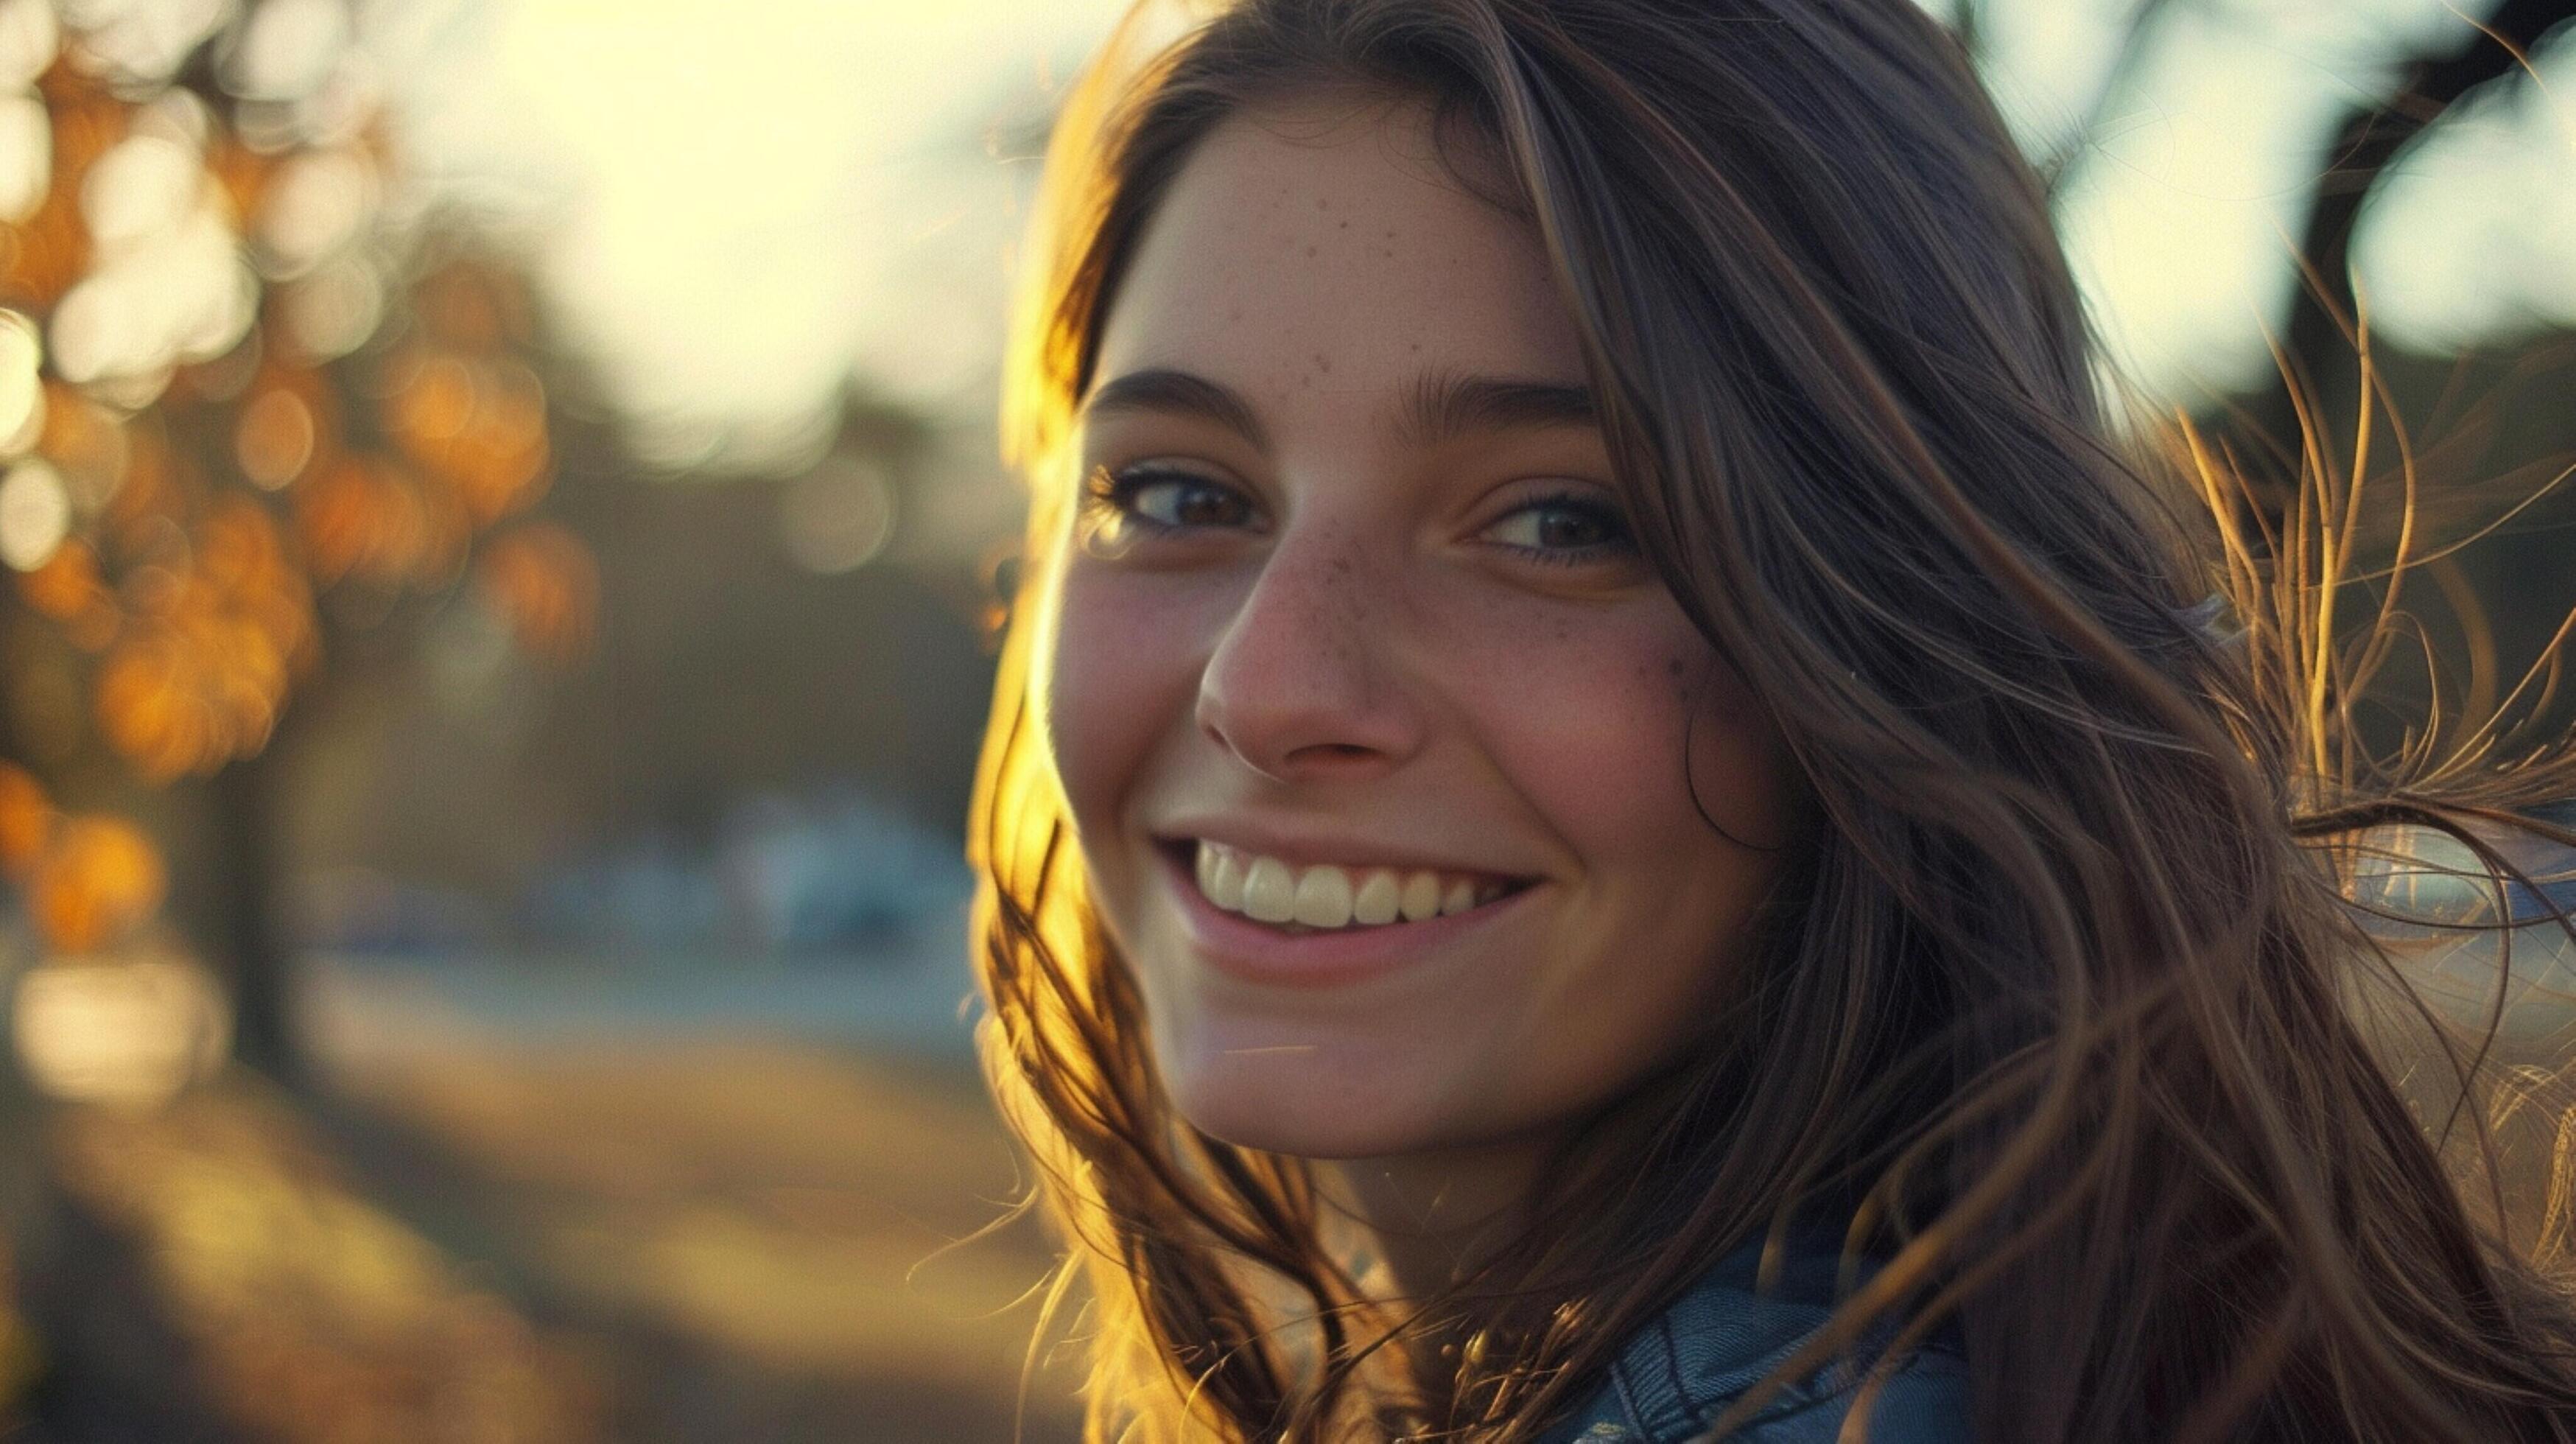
(1304, 1108)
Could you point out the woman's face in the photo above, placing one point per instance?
(1371, 718)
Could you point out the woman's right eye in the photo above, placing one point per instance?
(1161, 499)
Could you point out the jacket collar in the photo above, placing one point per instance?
(1679, 1372)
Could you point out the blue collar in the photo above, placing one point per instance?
(1678, 1373)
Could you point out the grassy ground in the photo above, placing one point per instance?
(675, 1239)
(768, 1230)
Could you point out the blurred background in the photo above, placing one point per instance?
(500, 547)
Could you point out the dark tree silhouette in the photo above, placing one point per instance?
(2315, 335)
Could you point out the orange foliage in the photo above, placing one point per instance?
(26, 819)
(433, 402)
(198, 593)
(69, 589)
(204, 681)
(87, 121)
(503, 463)
(447, 531)
(275, 440)
(96, 628)
(478, 424)
(99, 879)
(158, 479)
(472, 306)
(542, 578)
(240, 553)
(67, 584)
(151, 711)
(337, 512)
(51, 248)
(363, 518)
(47, 252)
(398, 531)
(240, 170)
(87, 441)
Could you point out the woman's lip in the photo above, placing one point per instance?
(1327, 958)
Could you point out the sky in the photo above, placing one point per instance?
(735, 206)
(737, 209)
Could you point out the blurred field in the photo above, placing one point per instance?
(486, 1234)
(748, 1228)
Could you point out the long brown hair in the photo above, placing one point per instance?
(2076, 1021)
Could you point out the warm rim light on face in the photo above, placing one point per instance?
(1350, 591)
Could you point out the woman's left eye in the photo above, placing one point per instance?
(1564, 530)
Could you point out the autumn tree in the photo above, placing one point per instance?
(250, 413)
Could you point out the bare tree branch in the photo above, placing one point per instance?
(2316, 338)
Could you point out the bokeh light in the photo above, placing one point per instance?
(275, 438)
(131, 1033)
(35, 514)
(30, 36)
(26, 155)
(140, 44)
(838, 516)
(98, 878)
(541, 578)
(26, 820)
(22, 387)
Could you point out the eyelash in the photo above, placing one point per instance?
(1111, 495)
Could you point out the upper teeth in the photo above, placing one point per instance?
(1268, 890)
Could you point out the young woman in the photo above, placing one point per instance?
(1617, 813)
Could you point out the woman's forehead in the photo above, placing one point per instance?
(1321, 260)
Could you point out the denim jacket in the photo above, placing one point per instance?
(1674, 1377)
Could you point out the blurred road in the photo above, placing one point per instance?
(737, 1190)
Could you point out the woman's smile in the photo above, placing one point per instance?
(1271, 924)
(1284, 884)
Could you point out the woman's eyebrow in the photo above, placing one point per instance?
(1178, 393)
(1439, 406)
(1443, 405)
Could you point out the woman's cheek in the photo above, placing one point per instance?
(1121, 676)
(1583, 709)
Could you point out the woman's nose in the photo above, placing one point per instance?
(1306, 683)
